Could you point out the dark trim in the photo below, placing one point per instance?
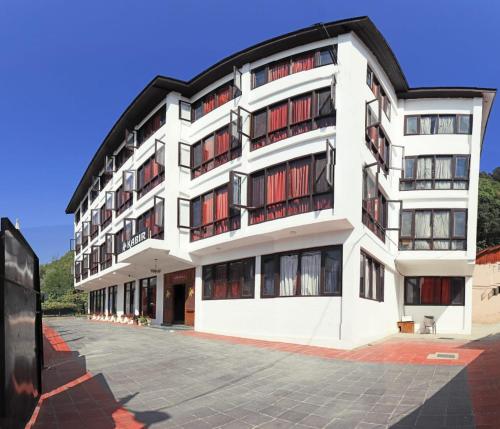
(211, 267)
(379, 288)
(405, 301)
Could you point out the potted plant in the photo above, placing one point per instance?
(144, 321)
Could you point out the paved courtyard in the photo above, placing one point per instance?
(102, 375)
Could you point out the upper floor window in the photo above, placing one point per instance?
(148, 222)
(77, 216)
(438, 124)
(293, 64)
(290, 188)
(122, 156)
(434, 291)
(149, 175)
(229, 280)
(106, 216)
(211, 214)
(94, 260)
(435, 172)
(123, 200)
(433, 229)
(371, 274)
(309, 272)
(214, 150)
(212, 100)
(105, 256)
(374, 206)
(85, 206)
(374, 84)
(152, 125)
(293, 116)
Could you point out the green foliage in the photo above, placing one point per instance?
(57, 285)
(488, 220)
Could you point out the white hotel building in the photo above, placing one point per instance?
(298, 191)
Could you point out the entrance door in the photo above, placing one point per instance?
(179, 303)
(178, 299)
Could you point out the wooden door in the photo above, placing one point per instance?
(185, 277)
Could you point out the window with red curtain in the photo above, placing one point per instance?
(278, 117)
(208, 103)
(220, 284)
(305, 62)
(221, 211)
(279, 70)
(299, 186)
(445, 291)
(223, 95)
(208, 148)
(276, 192)
(207, 209)
(235, 276)
(427, 291)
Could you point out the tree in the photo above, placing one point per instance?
(488, 219)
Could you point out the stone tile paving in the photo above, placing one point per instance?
(167, 380)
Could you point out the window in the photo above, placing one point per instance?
(434, 291)
(149, 175)
(95, 221)
(293, 116)
(123, 200)
(85, 206)
(146, 222)
(106, 216)
(376, 138)
(293, 64)
(214, 150)
(291, 188)
(438, 124)
(433, 229)
(371, 274)
(309, 272)
(122, 156)
(78, 271)
(94, 260)
(77, 216)
(128, 298)
(148, 297)
(112, 300)
(435, 172)
(97, 301)
(229, 280)
(152, 125)
(211, 214)
(85, 233)
(212, 100)
(374, 210)
(105, 256)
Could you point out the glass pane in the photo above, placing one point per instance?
(289, 265)
(461, 167)
(457, 291)
(441, 224)
(459, 224)
(196, 212)
(333, 271)
(446, 124)
(411, 125)
(464, 124)
(443, 168)
(441, 244)
(423, 224)
(412, 291)
(458, 245)
(442, 184)
(424, 168)
(207, 282)
(325, 57)
(423, 184)
(260, 77)
(406, 223)
(325, 105)
(405, 244)
(268, 280)
(460, 185)
(310, 273)
(428, 124)
(409, 171)
(259, 124)
(422, 244)
(248, 278)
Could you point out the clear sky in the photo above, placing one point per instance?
(68, 69)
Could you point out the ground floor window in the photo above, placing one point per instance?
(371, 285)
(434, 291)
(229, 280)
(148, 297)
(309, 272)
(112, 299)
(128, 298)
(97, 301)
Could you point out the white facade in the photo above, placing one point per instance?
(344, 321)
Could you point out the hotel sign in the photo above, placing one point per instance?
(134, 241)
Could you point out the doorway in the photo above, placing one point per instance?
(179, 303)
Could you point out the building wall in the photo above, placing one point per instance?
(485, 303)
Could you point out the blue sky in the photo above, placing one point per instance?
(68, 69)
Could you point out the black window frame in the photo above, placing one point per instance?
(112, 293)
(129, 292)
(407, 279)
(451, 237)
(234, 92)
(274, 258)
(154, 181)
(316, 121)
(146, 283)
(435, 115)
(127, 203)
(149, 127)
(378, 283)
(381, 199)
(208, 276)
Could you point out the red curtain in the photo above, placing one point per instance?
(222, 142)
(155, 169)
(279, 70)
(301, 109)
(235, 271)
(221, 204)
(278, 117)
(303, 63)
(224, 95)
(427, 290)
(298, 178)
(445, 291)
(275, 185)
(220, 283)
(208, 103)
(208, 148)
(207, 210)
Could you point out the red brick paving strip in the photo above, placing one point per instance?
(73, 397)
